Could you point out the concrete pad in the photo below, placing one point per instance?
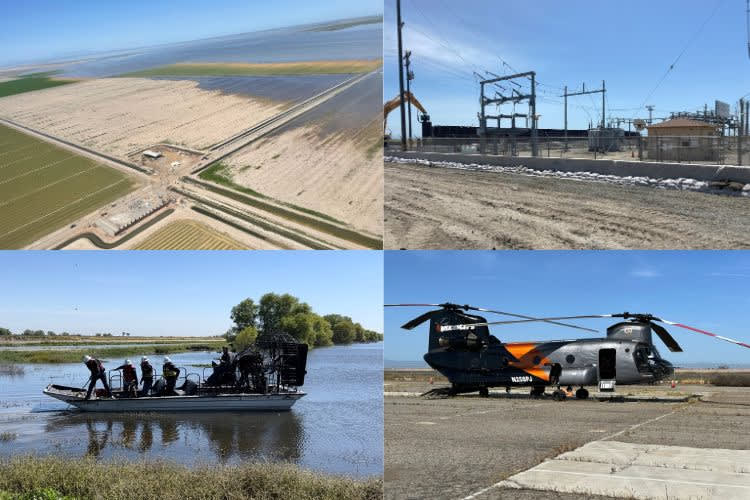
(628, 470)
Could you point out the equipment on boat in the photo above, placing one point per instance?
(265, 376)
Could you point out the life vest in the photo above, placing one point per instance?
(95, 366)
(169, 370)
(129, 374)
(147, 370)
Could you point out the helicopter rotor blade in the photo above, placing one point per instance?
(725, 339)
(665, 337)
(531, 318)
(418, 320)
(412, 305)
(556, 318)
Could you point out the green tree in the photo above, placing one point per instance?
(343, 332)
(245, 338)
(323, 332)
(245, 314)
(4, 332)
(359, 333)
(274, 308)
(301, 326)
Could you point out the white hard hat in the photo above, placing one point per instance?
(167, 360)
(128, 362)
(86, 358)
(144, 359)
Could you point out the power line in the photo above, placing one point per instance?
(671, 66)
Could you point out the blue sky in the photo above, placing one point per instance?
(179, 293)
(44, 29)
(628, 44)
(704, 289)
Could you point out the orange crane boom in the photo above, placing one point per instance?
(396, 102)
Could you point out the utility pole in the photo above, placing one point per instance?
(650, 109)
(604, 93)
(583, 91)
(409, 77)
(565, 93)
(532, 103)
(399, 26)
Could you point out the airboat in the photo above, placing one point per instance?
(264, 377)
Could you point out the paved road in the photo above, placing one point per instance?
(453, 448)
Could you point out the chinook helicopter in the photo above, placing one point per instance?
(462, 349)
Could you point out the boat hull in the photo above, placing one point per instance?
(282, 401)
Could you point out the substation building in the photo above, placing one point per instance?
(683, 139)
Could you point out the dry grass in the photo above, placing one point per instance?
(88, 478)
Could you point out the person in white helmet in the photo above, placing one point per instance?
(147, 376)
(129, 378)
(170, 373)
(97, 373)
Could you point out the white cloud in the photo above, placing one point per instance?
(645, 273)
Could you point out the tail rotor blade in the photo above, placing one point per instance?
(704, 332)
(665, 337)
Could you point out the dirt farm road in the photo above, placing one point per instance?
(432, 207)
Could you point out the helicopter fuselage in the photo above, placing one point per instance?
(473, 359)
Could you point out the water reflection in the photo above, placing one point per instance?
(228, 436)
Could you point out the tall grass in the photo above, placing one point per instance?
(72, 356)
(88, 478)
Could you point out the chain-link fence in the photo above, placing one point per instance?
(693, 149)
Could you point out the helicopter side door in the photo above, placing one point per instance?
(607, 369)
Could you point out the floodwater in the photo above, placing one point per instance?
(336, 428)
(279, 45)
(352, 109)
(277, 88)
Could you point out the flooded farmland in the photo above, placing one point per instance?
(335, 429)
(278, 45)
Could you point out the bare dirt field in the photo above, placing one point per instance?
(457, 447)
(327, 160)
(429, 208)
(120, 115)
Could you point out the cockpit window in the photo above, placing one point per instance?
(641, 355)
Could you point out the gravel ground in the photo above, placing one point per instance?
(452, 448)
(432, 208)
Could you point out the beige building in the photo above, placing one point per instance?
(681, 139)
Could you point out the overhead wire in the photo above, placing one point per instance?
(684, 49)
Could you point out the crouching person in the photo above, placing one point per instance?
(147, 376)
(97, 373)
(170, 373)
(129, 378)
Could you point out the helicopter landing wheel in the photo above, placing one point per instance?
(559, 395)
(582, 393)
(484, 392)
(537, 392)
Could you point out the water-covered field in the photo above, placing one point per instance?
(336, 428)
(278, 45)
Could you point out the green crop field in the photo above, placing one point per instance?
(188, 235)
(28, 83)
(44, 187)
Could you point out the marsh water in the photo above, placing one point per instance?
(336, 428)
